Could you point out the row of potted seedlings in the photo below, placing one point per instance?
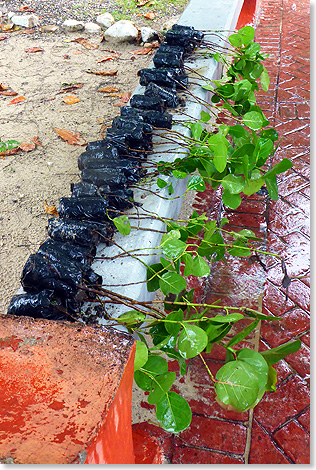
(59, 278)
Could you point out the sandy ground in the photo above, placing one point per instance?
(27, 179)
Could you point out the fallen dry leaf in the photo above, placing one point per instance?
(25, 147)
(150, 15)
(8, 93)
(110, 50)
(3, 87)
(125, 97)
(104, 73)
(28, 31)
(77, 52)
(109, 89)
(27, 8)
(51, 210)
(144, 51)
(34, 49)
(6, 153)
(70, 138)
(36, 141)
(141, 3)
(6, 27)
(2, 38)
(68, 89)
(19, 99)
(85, 43)
(105, 59)
(71, 99)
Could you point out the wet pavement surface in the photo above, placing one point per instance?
(277, 430)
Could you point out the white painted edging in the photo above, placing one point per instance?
(213, 15)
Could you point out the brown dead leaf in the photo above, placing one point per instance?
(103, 73)
(125, 97)
(19, 99)
(109, 89)
(7, 27)
(26, 8)
(104, 59)
(144, 51)
(110, 50)
(150, 15)
(34, 49)
(70, 88)
(3, 87)
(71, 99)
(2, 38)
(28, 31)
(77, 52)
(141, 3)
(6, 153)
(85, 43)
(8, 93)
(25, 147)
(70, 138)
(51, 210)
(36, 141)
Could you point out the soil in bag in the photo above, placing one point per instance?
(40, 305)
(78, 232)
(98, 154)
(129, 125)
(132, 137)
(147, 103)
(155, 118)
(120, 147)
(84, 208)
(120, 198)
(168, 59)
(176, 38)
(163, 77)
(83, 255)
(188, 31)
(169, 95)
(83, 189)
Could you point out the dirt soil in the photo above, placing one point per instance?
(27, 179)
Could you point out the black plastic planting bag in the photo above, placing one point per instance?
(78, 232)
(40, 305)
(176, 38)
(188, 31)
(119, 198)
(83, 208)
(110, 176)
(155, 118)
(131, 137)
(41, 272)
(147, 102)
(168, 59)
(82, 189)
(98, 154)
(163, 77)
(168, 95)
(128, 165)
(105, 145)
(130, 124)
(78, 254)
(164, 47)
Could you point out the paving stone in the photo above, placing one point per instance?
(292, 324)
(300, 362)
(263, 449)
(275, 301)
(299, 293)
(277, 407)
(304, 420)
(190, 455)
(152, 444)
(298, 200)
(216, 435)
(295, 442)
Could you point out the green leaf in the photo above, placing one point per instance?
(8, 145)
(256, 71)
(161, 384)
(247, 34)
(256, 360)
(252, 50)
(200, 267)
(171, 282)
(192, 341)
(269, 134)
(233, 183)
(237, 131)
(230, 318)
(243, 333)
(254, 183)
(254, 120)
(231, 200)
(196, 130)
(170, 189)
(276, 354)
(218, 144)
(141, 355)
(239, 385)
(122, 224)
(179, 174)
(205, 117)
(236, 40)
(173, 413)
(210, 245)
(152, 277)
(131, 318)
(281, 167)
(196, 183)
(161, 183)
(173, 328)
(172, 234)
(272, 187)
(173, 248)
(155, 365)
(265, 80)
(272, 379)
(142, 380)
(262, 316)
(239, 249)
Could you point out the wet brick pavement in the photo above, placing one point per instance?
(277, 430)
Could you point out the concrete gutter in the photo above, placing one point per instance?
(202, 15)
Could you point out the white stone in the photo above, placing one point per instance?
(105, 20)
(72, 26)
(122, 30)
(10, 14)
(92, 28)
(27, 21)
(148, 34)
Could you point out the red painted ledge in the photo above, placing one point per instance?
(65, 393)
